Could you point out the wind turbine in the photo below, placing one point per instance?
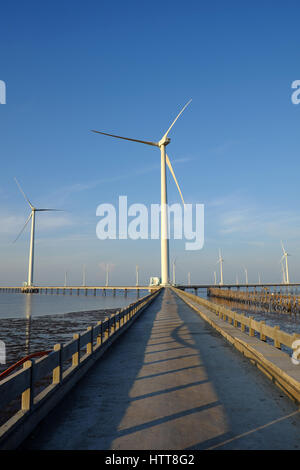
(32, 233)
(246, 275)
(84, 275)
(161, 144)
(285, 255)
(174, 273)
(137, 275)
(220, 260)
(107, 271)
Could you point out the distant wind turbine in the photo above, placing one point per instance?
(137, 275)
(284, 257)
(32, 234)
(174, 271)
(164, 141)
(84, 275)
(220, 260)
(246, 275)
(283, 273)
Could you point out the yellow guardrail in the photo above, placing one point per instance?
(274, 333)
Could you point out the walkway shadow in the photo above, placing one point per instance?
(89, 415)
(258, 414)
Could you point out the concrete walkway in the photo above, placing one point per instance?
(171, 382)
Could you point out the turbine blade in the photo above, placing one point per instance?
(173, 174)
(22, 192)
(47, 210)
(185, 106)
(127, 138)
(23, 227)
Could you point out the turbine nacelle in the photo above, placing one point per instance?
(164, 141)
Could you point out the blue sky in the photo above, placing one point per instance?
(128, 68)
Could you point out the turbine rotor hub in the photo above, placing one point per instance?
(164, 141)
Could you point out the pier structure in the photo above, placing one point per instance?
(77, 290)
(186, 374)
(275, 301)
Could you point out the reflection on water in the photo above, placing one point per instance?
(35, 322)
(18, 305)
(28, 310)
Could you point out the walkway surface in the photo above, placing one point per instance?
(171, 382)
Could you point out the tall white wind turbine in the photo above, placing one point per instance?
(174, 271)
(164, 141)
(246, 275)
(284, 257)
(32, 233)
(220, 260)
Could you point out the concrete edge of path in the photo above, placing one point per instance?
(274, 363)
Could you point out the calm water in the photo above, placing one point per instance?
(25, 305)
(35, 322)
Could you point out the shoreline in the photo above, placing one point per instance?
(22, 336)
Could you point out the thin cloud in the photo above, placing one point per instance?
(67, 191)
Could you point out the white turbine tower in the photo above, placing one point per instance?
(107, 275)
(283, 272)
(137, 275)
(220, 260)
(246, 275)
(32, 234)
(284, 257)
(164, 141)
(174, 272)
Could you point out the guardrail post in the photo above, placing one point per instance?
(242, 322)
(75, 357)
(27, 395)
(57, 372)
(276, 341)
(106, 332)
(89, 346)
(251, 330)
(99, 337)
(262, 336)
